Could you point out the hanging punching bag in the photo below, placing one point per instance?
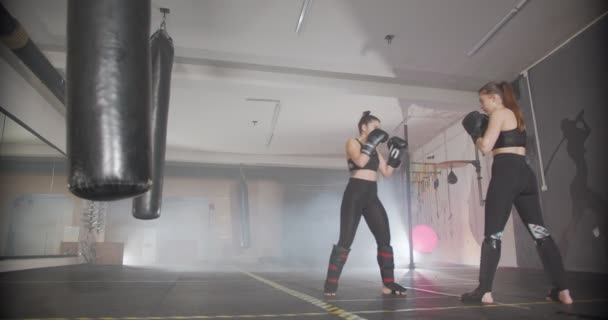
(108, 98)
(452, 178)
(148, 205)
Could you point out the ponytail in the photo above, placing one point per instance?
(505, 91)
(508, 99)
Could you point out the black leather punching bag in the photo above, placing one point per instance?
(108, 98)
(148, 205)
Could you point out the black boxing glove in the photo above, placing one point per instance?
(476, 124)
(395, 147)
(374, 138)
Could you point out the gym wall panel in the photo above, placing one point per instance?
(453, 211)
(294, 215)
(18, 186)
(569, 96)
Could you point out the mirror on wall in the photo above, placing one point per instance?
(37, 212)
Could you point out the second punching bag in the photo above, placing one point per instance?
(148, 205)
(108, 98)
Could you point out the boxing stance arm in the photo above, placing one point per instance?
(353, 152)
(384, 168)
(487, 141)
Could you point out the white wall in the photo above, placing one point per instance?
(265, 215)
(186, 234)
(454, 211)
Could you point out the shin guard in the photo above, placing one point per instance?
(386, 263)
(337, 259)
(490, 255)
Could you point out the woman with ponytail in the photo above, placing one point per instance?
(513, 183)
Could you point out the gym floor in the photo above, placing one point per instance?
(87, 291)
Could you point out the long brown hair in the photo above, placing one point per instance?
(505, 91)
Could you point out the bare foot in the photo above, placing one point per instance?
(474, 297)
(388, 291)
(564, 297)
(487, 298)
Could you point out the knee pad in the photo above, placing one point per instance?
(496, 236)
(542, 241)
(538, 232)
(494, 240)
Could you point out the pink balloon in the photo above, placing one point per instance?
(424, 238)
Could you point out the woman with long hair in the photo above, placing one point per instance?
(513, 183)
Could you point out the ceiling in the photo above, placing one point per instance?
(16, 141)
(230, 53)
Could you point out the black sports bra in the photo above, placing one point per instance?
(372, 164)
(511, 138)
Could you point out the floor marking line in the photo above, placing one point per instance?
(445, 275)
(474, 306)
(304, 297)
(280, 315)
(353, 313)
(446, 284)
(434, 292)
(458, 296)
(122, 281)
(384, 299)
(512, 306)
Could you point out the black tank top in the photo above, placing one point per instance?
(372, 164)
(511, 138)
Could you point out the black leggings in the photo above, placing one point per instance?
(361, 199)
(514, 183)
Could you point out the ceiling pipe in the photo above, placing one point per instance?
(524, 72)
(497, 27)
(16, 38)
(305, 7)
